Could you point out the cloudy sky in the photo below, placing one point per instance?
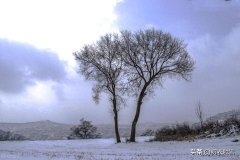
(38, 78)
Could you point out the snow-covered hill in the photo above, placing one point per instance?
(41, 130)
(224, 116)
(48, 130)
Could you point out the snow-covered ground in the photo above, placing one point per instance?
(105, 149)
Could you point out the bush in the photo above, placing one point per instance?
(184, 129)
(85, 130)
(177, 132)
(8, 136)
(229, 127)
(148, 132)
(212, 127)
(232, 121)
(225, 128)
(167, 130)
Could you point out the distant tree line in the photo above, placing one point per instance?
(9, 136)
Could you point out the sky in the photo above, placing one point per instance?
(38, 73)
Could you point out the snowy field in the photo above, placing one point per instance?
(105, 149)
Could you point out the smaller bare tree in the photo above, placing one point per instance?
(199, 113)
(102, 63)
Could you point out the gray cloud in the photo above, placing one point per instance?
(197, 17)
(212, 31)
(215, 82)
(22, 64)
(184, 18)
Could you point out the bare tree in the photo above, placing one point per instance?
(102, 63)
(151, 56)
(199, 113)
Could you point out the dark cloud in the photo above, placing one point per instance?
(22, 64)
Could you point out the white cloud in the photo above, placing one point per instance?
(59, 25)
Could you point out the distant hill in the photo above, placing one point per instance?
(41, 130)
(224, 116)
(48, 130)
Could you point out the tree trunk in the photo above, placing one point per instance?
(118, 140)
(138, 109)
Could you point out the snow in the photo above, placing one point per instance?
(106, 149)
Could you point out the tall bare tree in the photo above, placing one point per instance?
(199, 113)
(151, 56)
(102, 63)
